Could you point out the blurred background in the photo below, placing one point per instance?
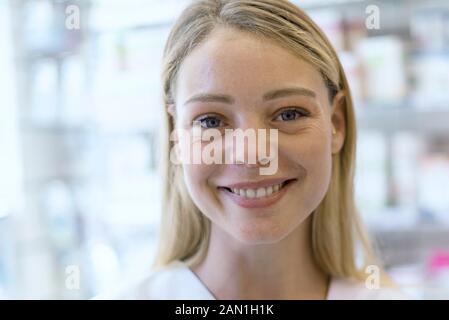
(80, 110)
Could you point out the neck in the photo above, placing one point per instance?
(283, 270)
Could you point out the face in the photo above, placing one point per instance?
(236, 81)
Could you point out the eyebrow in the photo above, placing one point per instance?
(293, 91)
(274, 94)
(211, 97)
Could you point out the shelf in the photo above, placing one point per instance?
(410, 245)
(390, 120)
(335, 4)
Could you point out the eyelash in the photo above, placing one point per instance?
(205, 118)
(300, 112)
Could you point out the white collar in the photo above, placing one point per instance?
(177, 281)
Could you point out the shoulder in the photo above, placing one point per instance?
(172, 282)
(348, 289)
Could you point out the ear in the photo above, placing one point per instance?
(338, 130)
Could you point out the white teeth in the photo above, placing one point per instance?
(260, 193)
(250, 193)
(257, 193)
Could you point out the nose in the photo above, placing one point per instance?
(253, 144)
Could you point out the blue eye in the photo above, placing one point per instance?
(210, 122)
(289, 115)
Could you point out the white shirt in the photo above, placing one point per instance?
(177, 281)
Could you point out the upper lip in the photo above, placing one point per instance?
(256, 184)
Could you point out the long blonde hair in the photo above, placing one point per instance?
(337, 233)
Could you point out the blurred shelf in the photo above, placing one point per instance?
(27, 125)
(440, 228)
(409, 245)
(163, 25)
(335, 4)
(390, 120)
(87, 129)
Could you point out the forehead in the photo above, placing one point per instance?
(234, 61)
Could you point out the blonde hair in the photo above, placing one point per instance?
(336, 227)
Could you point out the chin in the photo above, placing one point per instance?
(259, 233)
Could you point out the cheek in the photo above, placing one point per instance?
(197, 177)
(313, 150)
(314, 154)
(197, 174)
(320, 167)
(317, 155)
(320, 181)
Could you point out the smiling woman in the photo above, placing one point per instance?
(228, 232)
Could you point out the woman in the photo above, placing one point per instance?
(229, 232)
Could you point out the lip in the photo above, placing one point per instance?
(256, 184)
(252, 203)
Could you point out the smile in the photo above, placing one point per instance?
(261, 192)
(257, 194)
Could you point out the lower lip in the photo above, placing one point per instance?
(252, 203)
